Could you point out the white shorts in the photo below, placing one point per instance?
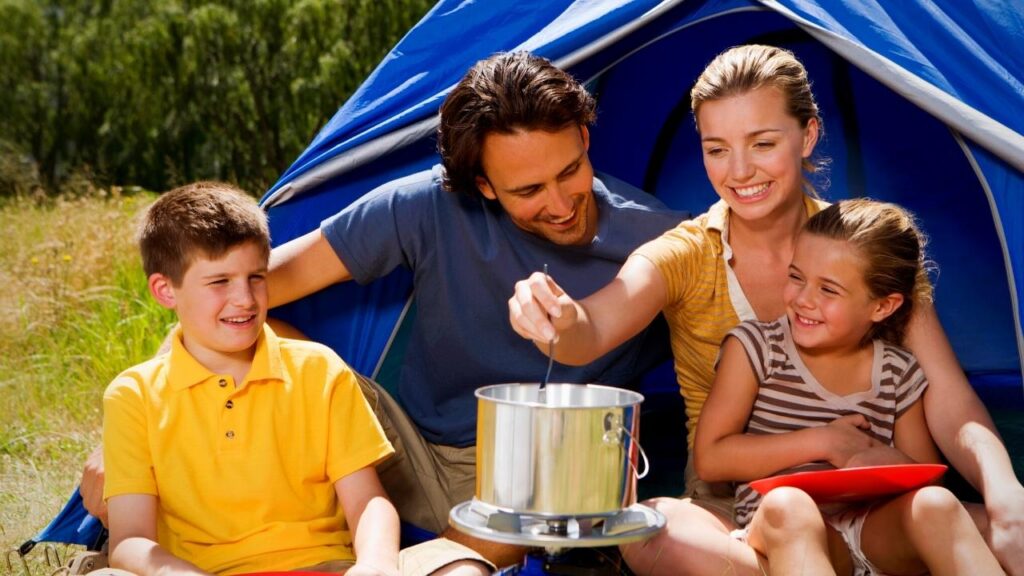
(848, 523)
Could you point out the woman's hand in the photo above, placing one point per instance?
(540, 310)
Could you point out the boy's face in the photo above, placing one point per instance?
(221, 303)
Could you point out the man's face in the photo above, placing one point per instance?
(544, 181)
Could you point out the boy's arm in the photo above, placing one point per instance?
(723, 452)
(373, 521)
(132, 542)
(964, 431)
(303, 266)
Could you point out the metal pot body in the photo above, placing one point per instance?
(569, 450)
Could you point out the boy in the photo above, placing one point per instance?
(238, 451)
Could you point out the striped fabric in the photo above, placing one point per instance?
(790, 398)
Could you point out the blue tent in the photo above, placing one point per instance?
(921, 103)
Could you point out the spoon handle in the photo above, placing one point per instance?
(551, 347)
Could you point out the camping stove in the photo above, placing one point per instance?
(631, 524)
(558, 535)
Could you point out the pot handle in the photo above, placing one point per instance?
(647, 463)
(610, 421)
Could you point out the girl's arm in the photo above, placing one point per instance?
(913, 443)
(585, 330)
(132, 542)
(723, 452)
(373, 521)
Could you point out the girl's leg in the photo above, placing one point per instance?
(789, 530)
(928, 529)
(695, 542)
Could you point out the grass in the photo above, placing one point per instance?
(74, 312)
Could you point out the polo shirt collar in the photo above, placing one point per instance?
(718, 218)
(185, 371)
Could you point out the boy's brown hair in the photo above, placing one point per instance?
(204, 219)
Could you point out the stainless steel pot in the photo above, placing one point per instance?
(571, 451)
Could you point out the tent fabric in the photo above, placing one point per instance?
(72, 525)
(945, 61)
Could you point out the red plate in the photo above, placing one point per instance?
(852, 484)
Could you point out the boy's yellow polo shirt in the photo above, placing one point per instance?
(244, 475)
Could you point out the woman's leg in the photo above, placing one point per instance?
(695, 542)
(926, 529)
(789, 530)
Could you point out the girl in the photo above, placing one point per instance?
(758, 124)
(807, 390)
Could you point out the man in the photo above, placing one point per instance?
(516, 191)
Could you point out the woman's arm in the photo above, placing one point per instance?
(373, 521)
(963, 430)
(132, 542)
(540, 310)
(723, 452)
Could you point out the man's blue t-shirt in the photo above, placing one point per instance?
(466, 256)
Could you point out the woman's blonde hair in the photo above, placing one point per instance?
(741, 69)
(892, 247)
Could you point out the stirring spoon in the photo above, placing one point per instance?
(551, 354)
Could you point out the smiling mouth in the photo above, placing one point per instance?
(562, 222)
(239, 320)
(747, 192)
(804, 321)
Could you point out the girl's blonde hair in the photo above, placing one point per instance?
(741, 69)
(892, 247)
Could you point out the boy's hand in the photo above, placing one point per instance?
(92, 485)
(846, 438)
(362, 569)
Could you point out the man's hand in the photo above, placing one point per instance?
(1006, 529)
(847, 438)
(92, 485)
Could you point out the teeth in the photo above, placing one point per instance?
(239, 320)
(805, 320)
(748, 191)
(564, 220)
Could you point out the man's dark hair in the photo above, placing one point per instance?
(203, 219)
(505, 93)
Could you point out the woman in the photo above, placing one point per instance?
(758, 123)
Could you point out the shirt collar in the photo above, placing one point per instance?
(718, 219)
(185, 371)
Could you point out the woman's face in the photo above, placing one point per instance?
(753, 152)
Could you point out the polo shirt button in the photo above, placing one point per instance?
(222, 383)
(229, 405)
(230, 434)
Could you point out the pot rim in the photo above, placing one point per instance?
(635, 398)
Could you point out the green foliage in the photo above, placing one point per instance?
(74, 312)
(157, 93)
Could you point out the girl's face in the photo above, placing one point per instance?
(753, 151)
(827, 300)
